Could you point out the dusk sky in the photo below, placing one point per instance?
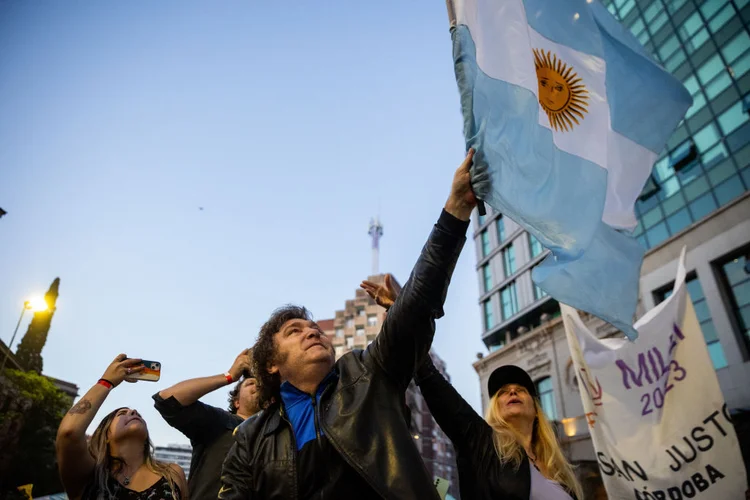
(290, 123)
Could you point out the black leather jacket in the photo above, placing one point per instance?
(363, 413)
(481, 474)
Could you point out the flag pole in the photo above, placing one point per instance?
(451, 12)
(452, 20)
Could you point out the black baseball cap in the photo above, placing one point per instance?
(510, 374)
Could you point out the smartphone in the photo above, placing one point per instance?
(151, 373)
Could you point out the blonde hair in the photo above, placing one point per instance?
(547, 450)
(106, 464)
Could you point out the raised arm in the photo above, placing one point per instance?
(188, 392)
(179, 404)
(75, 462)
(406, 335)
(458, 420)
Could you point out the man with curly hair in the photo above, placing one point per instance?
(209, 428)
(338, 429)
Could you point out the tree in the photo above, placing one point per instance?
(31, 408)
(29, 353)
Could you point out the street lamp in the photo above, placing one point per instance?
(35, 304)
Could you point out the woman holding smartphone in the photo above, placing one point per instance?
(118, 463)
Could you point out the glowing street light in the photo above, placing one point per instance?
(34, 304)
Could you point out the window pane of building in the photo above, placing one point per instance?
(487, 277)
(703, 206)
(637, 27)
(706, 137)
(489, 321)
(695, 291)
(485, 243)
(718, 84)
(482, 218)
(697, 41)
(691, 26)
(709, 331)
(721, 18)
(710, 69)
(695, 188)
(679, 221)
(509, 301)
(711, 7)
(652, 10)
(669, 47)
(721, 172)
(657, 234)
(535, 246)
(714, 155)
(729, 190)
(692, 85)
(742, 293)
(717, 355)
(736, 47)
(509, 260)
(673, 204)
(626, 8)
(652, 217)
(741, 65)
(547, 397)
(657, 23)
(500, 224)
(674, 5)
(663, 169)
(731, 119)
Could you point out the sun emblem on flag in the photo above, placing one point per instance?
(562, 94)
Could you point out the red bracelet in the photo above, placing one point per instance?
(229, 378)
(106, 383)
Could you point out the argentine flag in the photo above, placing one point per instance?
(567, 114)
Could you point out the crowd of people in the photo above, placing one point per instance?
(301, 424)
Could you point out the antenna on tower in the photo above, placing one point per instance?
(375, 232)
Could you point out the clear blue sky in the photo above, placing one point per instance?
(289, 122)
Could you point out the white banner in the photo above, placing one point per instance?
(657, 417)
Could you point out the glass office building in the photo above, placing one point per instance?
(706, 163)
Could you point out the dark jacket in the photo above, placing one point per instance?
(481, 474)
(210, 432)
(362, 414)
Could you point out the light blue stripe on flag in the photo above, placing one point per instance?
(645, 105)
(595, 282)
(567, 22)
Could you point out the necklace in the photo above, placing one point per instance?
(126, 479)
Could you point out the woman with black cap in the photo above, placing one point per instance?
(514, 453)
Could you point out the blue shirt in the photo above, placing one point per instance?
(300, 409)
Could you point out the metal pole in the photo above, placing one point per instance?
(481, 209)
(10, 346)
(451, 12)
